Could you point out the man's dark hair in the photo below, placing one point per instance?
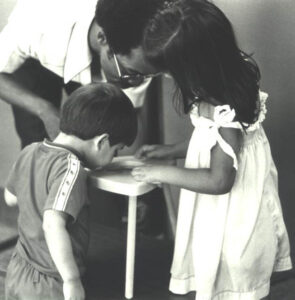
(99, 108)
(124, 21)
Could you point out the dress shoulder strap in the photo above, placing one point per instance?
(224, 117)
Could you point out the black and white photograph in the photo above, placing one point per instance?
(147, 149)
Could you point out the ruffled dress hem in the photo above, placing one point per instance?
(283, 264)
(184, 286)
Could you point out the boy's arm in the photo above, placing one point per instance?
(10, 199)
(67, 196)
(60, 248)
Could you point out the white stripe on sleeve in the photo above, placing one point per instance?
(67, 184)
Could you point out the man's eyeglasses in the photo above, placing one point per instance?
(131, 79)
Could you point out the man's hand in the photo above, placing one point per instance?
(73, 290)
(50, 118)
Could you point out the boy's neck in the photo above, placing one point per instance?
(70, 141)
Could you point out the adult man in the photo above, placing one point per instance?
(51, 44)
(77, 42)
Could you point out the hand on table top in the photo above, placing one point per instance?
(148, 173)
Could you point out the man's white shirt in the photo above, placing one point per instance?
(55, 32)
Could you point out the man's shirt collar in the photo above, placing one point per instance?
(79, 57)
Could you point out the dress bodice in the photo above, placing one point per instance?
(223, 115)
(207, 119)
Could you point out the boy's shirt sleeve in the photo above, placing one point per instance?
(16, 179)
(68, 190)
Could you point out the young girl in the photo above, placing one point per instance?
(230, 233)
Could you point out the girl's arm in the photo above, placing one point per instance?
(218, 179)
(60, 248)
(173, 151)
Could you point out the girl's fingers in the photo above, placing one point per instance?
(138, 177)
(133, 172)
(139, 153)
(144, 151)
(138, 174)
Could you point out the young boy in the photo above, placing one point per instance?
(48, 182)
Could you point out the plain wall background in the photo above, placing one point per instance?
(267, 29)
(9, 142)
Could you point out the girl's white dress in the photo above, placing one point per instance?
(227, 246)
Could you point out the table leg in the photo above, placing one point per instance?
(130, 253)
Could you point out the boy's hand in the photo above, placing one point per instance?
(73, 290)
(148, 173)
(155, 151)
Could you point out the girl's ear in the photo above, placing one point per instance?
(100, 140)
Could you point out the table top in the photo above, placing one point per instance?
(117, 178)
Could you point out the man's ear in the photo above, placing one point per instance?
(100, 140)
(101, 37)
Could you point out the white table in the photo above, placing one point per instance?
(121, 182)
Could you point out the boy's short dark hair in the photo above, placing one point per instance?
(99, 108)
(124, 21)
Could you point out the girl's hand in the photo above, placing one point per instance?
(147, 173)
(155, 151)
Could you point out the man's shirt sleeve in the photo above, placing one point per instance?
(68, 190)
(16, 37)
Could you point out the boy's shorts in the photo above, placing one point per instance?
(24, 282)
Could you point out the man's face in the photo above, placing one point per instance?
(132, 64)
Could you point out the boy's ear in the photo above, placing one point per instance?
(100, 140)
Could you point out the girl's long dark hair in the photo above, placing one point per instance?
(194, 41)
